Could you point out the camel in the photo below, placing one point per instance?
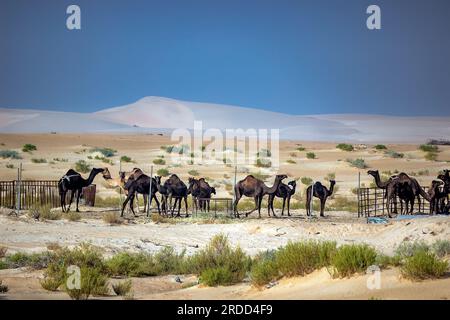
(120, 182)
(140, 183)
(436, 195)
(178, 189)
(409, 188)
(255, 188)
(164, 194)
(284, 191)
(201, 193)
(73, 181)
(385, 185)
(445, 177)
(321, 192)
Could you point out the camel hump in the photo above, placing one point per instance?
(72, 172)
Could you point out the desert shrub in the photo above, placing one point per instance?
(39, 160)
(408, 249)
(3, 287)
(310, 155)
(163, 172)
(218, 254)
(354, 258)
(307, 181)
(345, 147)
(300, 258)
(107, 161)
(429, 148)
(264, 153)
(394, 154)
(28, 147)
(431, 156)
(159, 161)
(125, 159)
(380, 147)
(106, 152)
(168, 261)
(193, 173)
(217, 276)
(73, 216)
(10, 166)
(264, 269)
(92, 282)
(60, 160)
(50, 284)
(44, 212)
(263, 163)
(423, 265)
(107, 202)
(301, 149)
(344, 204)
(293, 155)
(441, 248)
(290, 161)
(9, 154)
(3, 251)
(357, 163)
(384, 261)
(34, 260)
(122, 288)
(131, 264)
(112, 218)
(82, 166)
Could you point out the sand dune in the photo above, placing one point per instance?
(156, 112)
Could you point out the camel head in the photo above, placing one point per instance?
(436, 183)
(332, 182)
(213, 190)
(373, 173)
(106, 174)
(280, 177)
(292, 184)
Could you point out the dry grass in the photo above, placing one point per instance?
(112, 218)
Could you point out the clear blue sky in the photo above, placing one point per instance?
(298, 57)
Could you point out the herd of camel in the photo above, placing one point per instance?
(135, 182)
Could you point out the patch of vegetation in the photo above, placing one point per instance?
(351, 259)
(3, 287)
(3, 251)
(82, 166)
(358, 163)
(112, 218)
(394, 154)
(429, 148)
(380, 147)
(290, 161)
(264, 153)
(60, 160)
(307, 181)
(301, 149)
(73, 216)
(106, 152)
(310, 155)
(107, 161)
(193, 173)
(122, 288)
(441, 248)
(340, 203)
(125, 159)
(39, 160)
(29, 147)
(9, 154)
(330, 176)
(263, 163)
(163, 172)
(431, 156)
(345, 147)
(408, 249)
(10, 166)
(44, 212)
(107, 202)
(35, 261)
(423, 265)
(159, 161)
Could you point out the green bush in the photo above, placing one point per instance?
(408, 249)
(345, 147)
(429, 148)
(39, 160)
(354, 258)
(431, 156)
(423, 265)
(45, 212)
(307, 181)
(441, 248)
(193, 173)
(73, 216)
(35, 261)
(82, 166)
(159, 161)
(263, 163)
(125, 159)
(9, 154)
(290, 161)
(310, 155)
(163, 172)
(357, 163)
(394, 154)
(217, 276)
(380, 147)
(122, 288)
(264, 269)
(132, 265)
(301, 149)
(10, 166)
(28, 147)
(92, 282)
(106, 152)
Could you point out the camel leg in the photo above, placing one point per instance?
(157, 204)
(259, 206)
(133, 195)
(288, 205)
(186, 206)
(236, 201)
(62, 196)
(72, 193)
(125, 203)
(284, 203)
(78, 198)
(179, 207)
(322, 206)
(308, 202)
(269, 205)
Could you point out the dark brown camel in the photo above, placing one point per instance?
(284, 191)
(73, 181)
(445, 177)
(141, 185)
(201, 193)
(256, 189)
(385, 185)
(321, 192)
(177, 189)
(164, 194)
(436, 195)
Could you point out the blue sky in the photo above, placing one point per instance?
(297, 57)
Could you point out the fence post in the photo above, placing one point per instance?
(120, 188)
(359, 189)
(19, 187)
(149, 202)
(234, 190)
(312, 200)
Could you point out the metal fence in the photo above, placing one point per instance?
(372, 202)
(28, 194)
(216, 205)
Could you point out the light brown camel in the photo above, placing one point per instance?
(436, 196)
(256, 189)
(120, 181)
